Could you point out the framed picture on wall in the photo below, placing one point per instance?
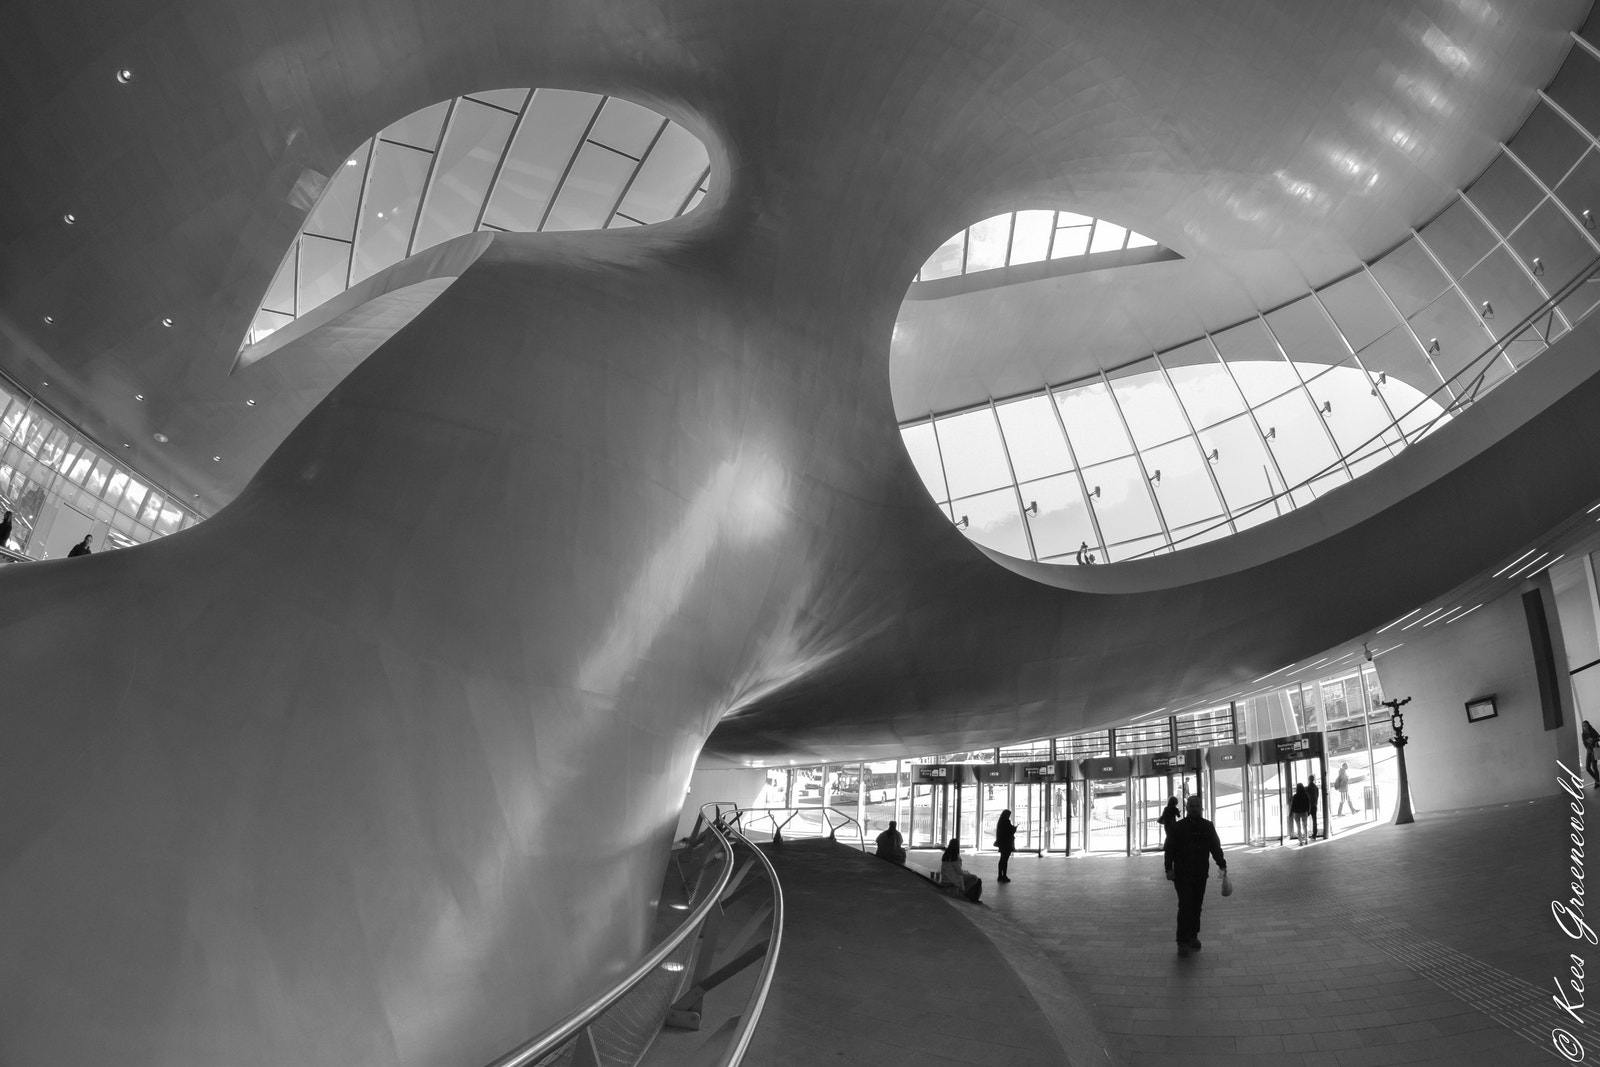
(1481, 708)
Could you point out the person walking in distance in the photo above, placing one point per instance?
(1005, 839)
(1191, 845)
(1591, 743)
(82, 547)
(1313, 798)
(1341, 785)
(1169, 818)
(1299, 805)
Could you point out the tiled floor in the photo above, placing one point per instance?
(1431, 944)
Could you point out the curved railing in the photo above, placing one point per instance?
(1462, 389)
(617, 1028)
(747, 816)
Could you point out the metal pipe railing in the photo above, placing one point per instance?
(796, 810)
(758, 997)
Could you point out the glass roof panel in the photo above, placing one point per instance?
(1457, 328)
(335, 213)
(393, 193)
(1070, 241)
(1030, 240)
(1548, 144)
(1243, 468)
(993, 520)
(467, 157)
(1206, 389)
(987, 242)
(924, 451)
(1549, 235)
(946, 260)
(1139, 240)
(510, 99)
(551, 130)
(670, 174)
(593, 186)
(1185, 491)
(1033, 438)
(1398, 356)
(1359, 308)
(1108, 237)
(1301, 446)
(974, 459)
(1358, 414)
(1124, 507)
(324, 265)
(1304, 331)
(280, 294)
(1504, 193)
(626, 127)
(1092, 423)
(1148, 404)
(1410, 277)
(1458, 237)
(420, 129)
(1063, 522)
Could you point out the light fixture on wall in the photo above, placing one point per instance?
(1538, 267)
(1272, 432)
(1327, 407)
(1155, 479)
(1032, 508)
(1214, 455)
(1383, 380)
(962, 522)
(1433, 346)
(1095, 492)
(1487, 311)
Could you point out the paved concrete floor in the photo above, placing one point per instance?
(879, 968)
(1426, 944)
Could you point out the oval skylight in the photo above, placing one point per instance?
(512, 160)
(1021, 237)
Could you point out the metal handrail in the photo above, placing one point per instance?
(1457, 403)
(758, 997)
(833, 828)
(556, 1036)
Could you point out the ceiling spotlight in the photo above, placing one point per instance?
(349, 162)
(216, 459)
(1214, 455)
(69, 218)
(167, 323)
(126, 445)
(1538, 267)
(1155, 479)
(49, 320)
(961, 522)
(1032, 508)
(249, 403)
(1327, 407)
(1433, 345)
(124, 76)
(1487, 311)
(1095, 492)
(162, 438)
(1588, 220)
(138, 396)
(1272, 432)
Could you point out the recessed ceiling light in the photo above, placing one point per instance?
(138, 396)
(162, 438)
(124, 75)
(126, 445)
(216, 459)
(349, 162)
(49, 320)
(69, 218)
(249, 403)
(167, 323)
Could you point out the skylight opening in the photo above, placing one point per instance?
(1022, 237)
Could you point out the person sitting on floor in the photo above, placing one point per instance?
(891, 846)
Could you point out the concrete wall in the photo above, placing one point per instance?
(1454, 763)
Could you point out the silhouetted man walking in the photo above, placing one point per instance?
(1190, 845)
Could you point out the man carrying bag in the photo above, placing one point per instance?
(1190, 846)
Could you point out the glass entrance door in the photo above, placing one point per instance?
(1106, 820)
(926, 823)
(1228, 804)
(1153, 793)
(1066, 829)
(1269, 805)
(1027, 811)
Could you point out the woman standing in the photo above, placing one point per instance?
(1005, 839)
(1169, 818)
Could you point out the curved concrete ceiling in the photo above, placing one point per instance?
(474, 620)
(1273, 147)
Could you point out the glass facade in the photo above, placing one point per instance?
(1099, 815)
(60, 485)
(1236, 427)
(515, 160)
